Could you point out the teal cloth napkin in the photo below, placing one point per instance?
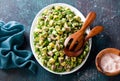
(11, 39)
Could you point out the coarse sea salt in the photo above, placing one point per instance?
(110, 63)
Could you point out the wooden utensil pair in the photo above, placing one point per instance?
(79, 38)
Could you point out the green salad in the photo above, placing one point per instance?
(53, 27)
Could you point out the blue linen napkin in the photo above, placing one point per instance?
(11, 39)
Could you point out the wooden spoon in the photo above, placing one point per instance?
(96, 30)
(79, 35)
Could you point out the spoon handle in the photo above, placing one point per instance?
(96, 30)
(89, 19)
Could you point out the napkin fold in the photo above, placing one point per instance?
(11, 40)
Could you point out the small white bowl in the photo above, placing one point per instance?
(77, 12)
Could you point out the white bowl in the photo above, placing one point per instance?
(77, 12)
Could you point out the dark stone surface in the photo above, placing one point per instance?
(108, 15)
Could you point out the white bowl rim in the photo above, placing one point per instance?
(76, 11)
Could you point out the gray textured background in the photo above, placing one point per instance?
(108, 15)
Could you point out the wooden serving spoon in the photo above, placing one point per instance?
(96, 30)
(78, 37)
